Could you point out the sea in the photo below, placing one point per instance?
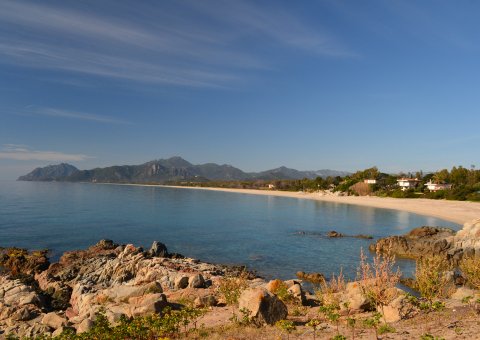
(274, 236)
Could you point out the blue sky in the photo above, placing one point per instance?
(257, 84)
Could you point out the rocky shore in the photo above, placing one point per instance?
(434, 240)
(37, 297)
(125, 282)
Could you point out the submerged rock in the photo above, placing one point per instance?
(334, 234)
(315, 278)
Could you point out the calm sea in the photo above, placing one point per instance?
(230, 228)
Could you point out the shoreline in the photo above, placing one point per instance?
(457, 212)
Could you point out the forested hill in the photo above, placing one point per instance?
(167, 170)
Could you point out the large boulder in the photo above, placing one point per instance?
(181, 282)
(196, 281)
(357, 302)
(147, 304)
(263, 306)
(124, 292)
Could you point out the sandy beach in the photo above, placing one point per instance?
(454, 211)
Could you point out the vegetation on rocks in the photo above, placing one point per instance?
(433, 278)
(125, 292)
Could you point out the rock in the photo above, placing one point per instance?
(365, 237)
(124, 292)
(290, 283)
(264, 307)
(21, 261)
(158, 249)
(297, 292)
(357, 302)
(22, 314)
(399, 309)
(147, 304)
(53, 320)
(463, 292)
(181, 282)
(205, 301)
(37, 329)
(84, 326)
(196, 281)
(418, 242)
(105, 244)
(334, 234)
(311, 277)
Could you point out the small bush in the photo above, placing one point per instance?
(231, 287)
(470, 267)
(286, 326)
(378, 280)
(280, 289)
(327, 289)
(432, 278)
(385, 328)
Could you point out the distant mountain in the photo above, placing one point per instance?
(166, 170)
(50, 173)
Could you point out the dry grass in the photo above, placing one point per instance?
(470, 267)
(432, 279)
(327, 291)
(378, 280)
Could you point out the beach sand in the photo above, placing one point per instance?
(454, 211)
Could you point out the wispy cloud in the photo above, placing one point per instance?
(53, 112)
(24, 153)
(207, 44)
(276, 23)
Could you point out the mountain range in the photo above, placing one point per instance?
(173, 169)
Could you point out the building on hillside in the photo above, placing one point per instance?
(271, 186)
(370, 181)
(408, 183)
(437, 186)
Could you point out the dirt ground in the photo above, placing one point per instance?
(450, 323)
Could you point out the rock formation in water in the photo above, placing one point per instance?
(434, 240)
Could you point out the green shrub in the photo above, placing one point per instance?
(432, 278)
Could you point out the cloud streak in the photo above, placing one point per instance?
(193, 44)
(52, 112)
(23, 153)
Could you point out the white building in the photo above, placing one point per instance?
(271, 186)
(370, 181)
(437, 186)
(408, 183)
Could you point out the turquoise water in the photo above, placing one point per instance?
(231, 228)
